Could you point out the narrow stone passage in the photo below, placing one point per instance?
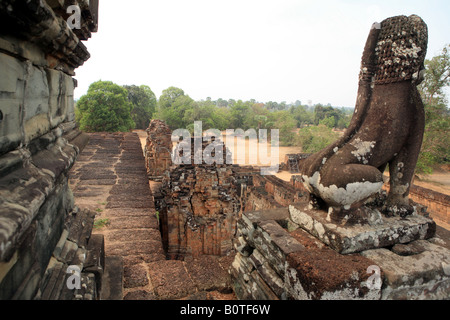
(110, 178)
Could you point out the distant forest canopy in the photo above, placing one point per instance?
(179, 110)
(110, 107)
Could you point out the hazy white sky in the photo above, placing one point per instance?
(278, 50)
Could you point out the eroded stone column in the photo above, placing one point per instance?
(39, 143)
(158, 149)
(200, 209)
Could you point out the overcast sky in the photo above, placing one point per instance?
(278, 50)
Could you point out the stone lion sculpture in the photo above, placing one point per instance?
(387, 126)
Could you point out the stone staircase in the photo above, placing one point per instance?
(110, 179)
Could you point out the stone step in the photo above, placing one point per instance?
(112, 288)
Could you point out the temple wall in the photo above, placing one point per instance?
(39, 143)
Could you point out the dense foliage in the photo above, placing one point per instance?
(436, 144)
(105, 108)
(178, 110)
(144, 105)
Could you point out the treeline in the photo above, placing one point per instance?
(178, 110)
(110, 107)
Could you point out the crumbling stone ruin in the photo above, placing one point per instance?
(42, 234)
(158, 149)
(200, 207)
(200, 211)
(291, 162)
(213, 229)
(200, 204)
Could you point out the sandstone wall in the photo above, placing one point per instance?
(39, 142)
(273, 264)
(264, 191)
(199, 212)
(438, 204)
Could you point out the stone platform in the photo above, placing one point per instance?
(383, 232)
(280, 259)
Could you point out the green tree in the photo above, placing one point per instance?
(144, 104)
(302, 115)
(436, 78)
(221, 118)
(329, 122)
(105, 108)
(201, 111)
(172, 107)
(322, 112)
(262, 121)
(315, 138)
(238, 112)
(284, 122)
(169, 96)
(436, 145)
(221, 103)
(257, 116)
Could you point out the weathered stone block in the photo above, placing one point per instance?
(11, 97)
(13, 74)
(320, 273)
(274, 264)
(180, 284)
(349, 239)
(24, 49)
(269, 276)
(135, 276)
(36, 107)
(423, 274)
(60, 97)
(275, 244)
(207, 273)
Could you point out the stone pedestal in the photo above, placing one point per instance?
(382, 232)
(295, 253)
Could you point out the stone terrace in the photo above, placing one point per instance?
(110, 178)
